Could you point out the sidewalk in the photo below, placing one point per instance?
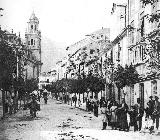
(82, 106)
(143, 130)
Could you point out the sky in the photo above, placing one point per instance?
(62, 22)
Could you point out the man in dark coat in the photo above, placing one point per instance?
(95, 105)
(151, 106)
(133, 120)
(140, 112)
(156, 112)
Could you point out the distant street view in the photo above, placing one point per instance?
(79, 70)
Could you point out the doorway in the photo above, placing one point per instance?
(141, 94)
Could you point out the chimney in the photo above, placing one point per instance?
(19, 34)
(12, 31)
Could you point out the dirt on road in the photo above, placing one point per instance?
(58, 121)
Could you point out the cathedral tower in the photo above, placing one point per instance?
(33, 42)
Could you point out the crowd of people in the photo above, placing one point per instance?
(115, 114)
(32, 102)
(11, 105)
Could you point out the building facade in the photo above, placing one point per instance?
(137, 43)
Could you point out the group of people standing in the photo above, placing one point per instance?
(116, 114)
(11, 106)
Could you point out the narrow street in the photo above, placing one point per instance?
(57, 121)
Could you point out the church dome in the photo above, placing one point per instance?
(33, 17)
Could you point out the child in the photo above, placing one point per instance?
(148, 119)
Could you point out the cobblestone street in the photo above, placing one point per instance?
(58, 121)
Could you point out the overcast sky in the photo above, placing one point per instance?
(63, 22)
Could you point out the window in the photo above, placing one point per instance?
(132, 94)
(132, 33)
(141, 50)
(31, 41)
(31, 26)
(154, 87)
(28, 42)
(142, 27)
(35, 28)
(135, 55)
(118, 52)
(111, 55)
(154, 8)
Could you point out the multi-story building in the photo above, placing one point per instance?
(137, 43)
(85, 53)
(143, 49)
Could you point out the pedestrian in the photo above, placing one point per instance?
(95, 105)
(113, 110)
(109, 104)
(104, 115)
(79, 102)
(91, 104)
(133, 114)
(150, 113)
(15, 105)
(147, 117)
(151, 105)
(34, 107)
(6, 105)
(118, 111)
(10, 103)
(123, 116)
(75, 100)
(45, 96)
(156, 112)
(102, 102)
(87, 104)
(140, 112)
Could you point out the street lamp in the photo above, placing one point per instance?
(125, 10)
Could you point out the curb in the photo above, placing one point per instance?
(73, 106)
(81, 109)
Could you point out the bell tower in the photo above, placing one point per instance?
(33, 42)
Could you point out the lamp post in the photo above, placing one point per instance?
(125, 11)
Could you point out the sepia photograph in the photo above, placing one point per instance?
(79, 69)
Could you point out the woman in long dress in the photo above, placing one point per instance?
(113, 120)
(123, 116)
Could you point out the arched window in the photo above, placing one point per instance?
(31, 26)
(31, 41)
